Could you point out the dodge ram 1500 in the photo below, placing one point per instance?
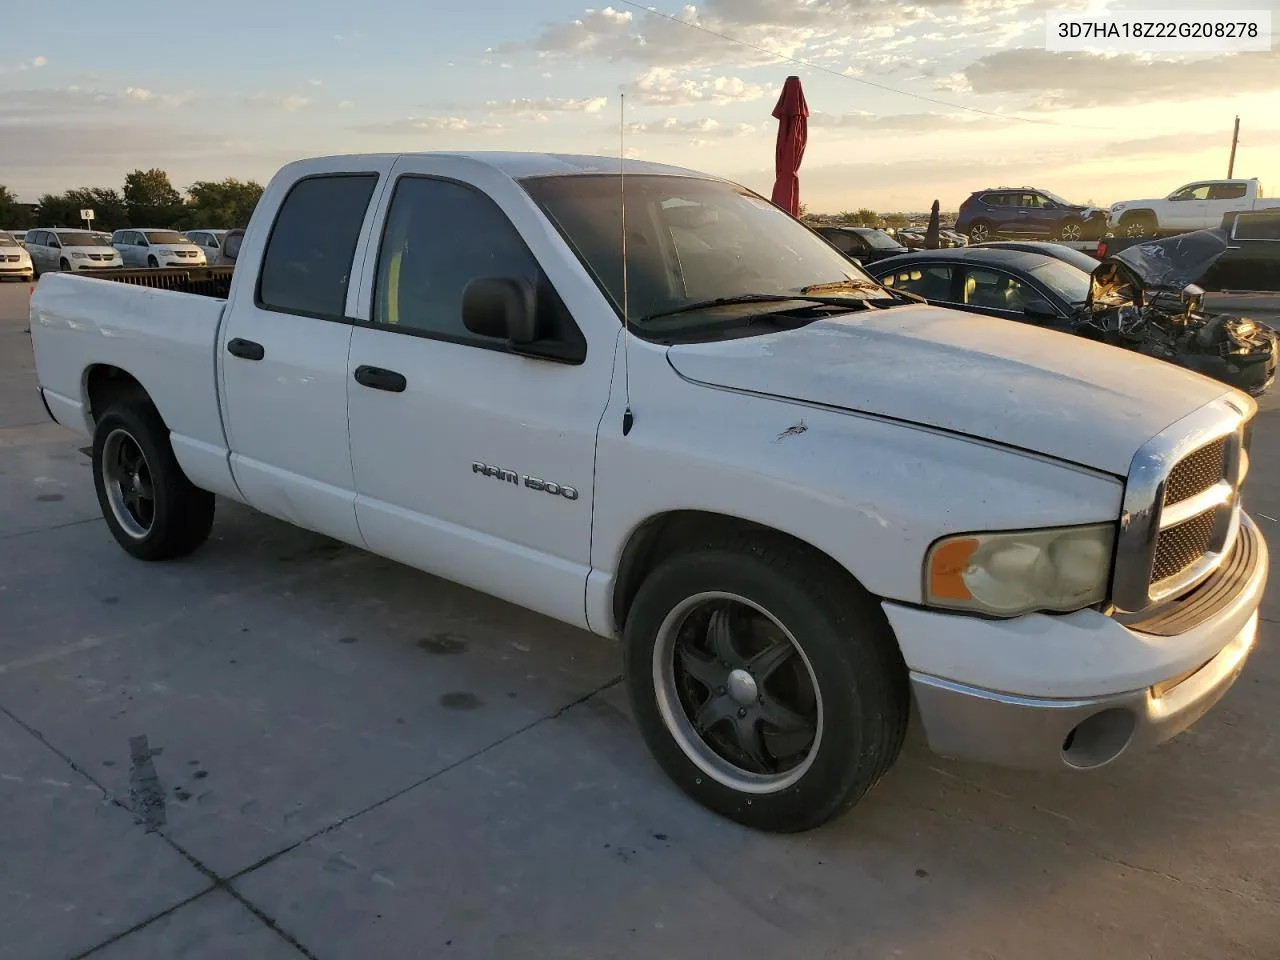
(800, 499)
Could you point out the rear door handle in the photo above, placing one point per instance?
(379, 379)
(246, 349)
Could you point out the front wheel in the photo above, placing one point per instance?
(151, 508)
(767, 686)
(1071, 232)
(152, 262)
(64, 265)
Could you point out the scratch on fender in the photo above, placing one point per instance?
(793, 431)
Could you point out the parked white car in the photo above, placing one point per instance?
(210, 241)
(69, 249)
(800, 499)
(156, 248)
(1194, 206)
(15, 262)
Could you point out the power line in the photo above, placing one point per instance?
(845, 76)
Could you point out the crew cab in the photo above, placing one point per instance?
(800, 499)
(1201, 205)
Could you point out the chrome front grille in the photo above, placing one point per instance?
(1180, 546)
(1196, 472)
(1181, 505)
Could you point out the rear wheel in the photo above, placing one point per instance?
(980, 232)
(1138, 225)
(150, 506)
(767, 686)
(1071, 231)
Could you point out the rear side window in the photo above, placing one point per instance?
(1258, 227)
(307, 266)
(1227, 191)
(931, 281)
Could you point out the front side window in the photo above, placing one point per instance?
(691, 241)
(991, 290)
(440, 236)
(306, 268)
(1197, 191)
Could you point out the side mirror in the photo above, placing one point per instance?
(501, 307)
(1039, 310)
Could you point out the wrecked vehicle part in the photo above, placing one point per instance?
(1145, 298)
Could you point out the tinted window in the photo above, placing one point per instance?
(878, 239)
(1262, 226)
(842, 241)
(931, 281)
(440, 236)
(995, 291)
(307, 265)
(996, 199)
(1227, 191)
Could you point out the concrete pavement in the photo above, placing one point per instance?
(284, 747)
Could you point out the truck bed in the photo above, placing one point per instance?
(202, 281)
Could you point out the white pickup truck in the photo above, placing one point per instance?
(801, 500)
(1201, 205)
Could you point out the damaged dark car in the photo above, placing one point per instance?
(1143, 298)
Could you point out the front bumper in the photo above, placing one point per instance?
(181, 262)
(78, 265)
(973, 722)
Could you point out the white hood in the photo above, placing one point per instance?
(999, 380)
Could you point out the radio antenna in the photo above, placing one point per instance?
(628, 418)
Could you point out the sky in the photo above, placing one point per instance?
(911, 101)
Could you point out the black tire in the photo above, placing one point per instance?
(152, 262)
(64, 265)
(1140, 224)
(181, 514)
(980, 231)
(846, 643)
(1071, 230)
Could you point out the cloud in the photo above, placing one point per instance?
(39, 61)
(315, 83)
(53, 103)
(34, 63)
(674, 127)
(345, 104)
(539, 108)
(421, 125)
(664, 87)
(276, 101)
(1078, 79)
(907, 122)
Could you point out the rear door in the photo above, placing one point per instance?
(284, 345)
(471, 461)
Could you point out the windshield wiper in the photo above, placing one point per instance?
(864, 285)
(850, 302)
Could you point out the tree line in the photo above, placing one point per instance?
(148, 199)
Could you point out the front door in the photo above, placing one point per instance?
(284, 354)
(1188, 208)
(471, 461)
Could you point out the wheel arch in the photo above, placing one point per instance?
(105, 384)
(674, 531)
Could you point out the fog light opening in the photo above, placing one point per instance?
(1099, 739)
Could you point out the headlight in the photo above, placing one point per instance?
(1007, 574)
(164, 252)
(77, 255)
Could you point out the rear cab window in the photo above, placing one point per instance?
(306, 268)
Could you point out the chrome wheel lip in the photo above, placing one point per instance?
(113, 483)
(681, 727)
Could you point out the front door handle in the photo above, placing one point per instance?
(379, 379)
(246, 349)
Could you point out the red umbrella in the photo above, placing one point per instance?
(792, 114)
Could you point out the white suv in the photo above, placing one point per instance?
(67, 249)
(157, 248)
(14, 259)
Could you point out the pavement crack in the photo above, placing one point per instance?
(342, 821)
(49, 529)
(141, 924)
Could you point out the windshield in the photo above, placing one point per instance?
(7, 241)
(165, 236)
(879, 239)
(1066, 281)
(690, 242)
(72, 239)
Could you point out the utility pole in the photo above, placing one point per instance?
(1235, 138)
